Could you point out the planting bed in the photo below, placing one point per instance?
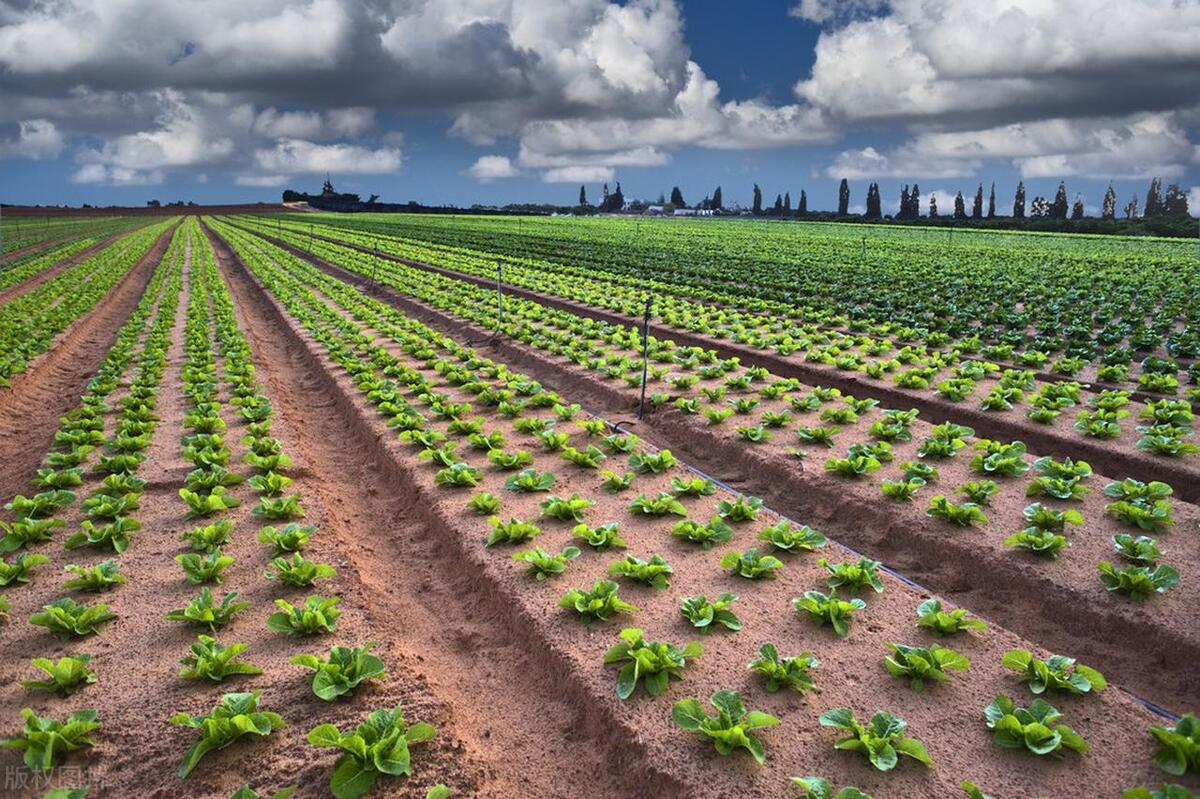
(459, 478)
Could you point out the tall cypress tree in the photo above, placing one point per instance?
(933, 214)
(914, 202)
(1131, 208)
(844, 198)
(960, 206)
(903, 213)
(1154, 200)
(677, 198)
(787, 203)
(756, 208)
(1108, 209)
(777, 208)
(992, 202)
(1077, 208)
(874, 211)
(582, 196)
(977, 208)
(802, 208)
(1019, 201)
(1058, 208)
(716, 199)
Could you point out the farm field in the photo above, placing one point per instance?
(905, 510)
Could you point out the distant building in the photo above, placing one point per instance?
(693, 212)
(654, 210)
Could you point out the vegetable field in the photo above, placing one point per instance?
(433, 506)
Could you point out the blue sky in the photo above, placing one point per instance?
(499, 101)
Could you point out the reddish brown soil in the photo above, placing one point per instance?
(946, 718)
(970, 566)
(52, 383)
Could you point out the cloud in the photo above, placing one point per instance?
(261, 180)
(37, 139)
(579, 174)
(297, 155)
(961, 62)
(101, 174)
(1194, 201)
(493, 167)
(1135, 147)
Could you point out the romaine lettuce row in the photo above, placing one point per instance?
(653, 663)
(1035, 729)
(882, 740)
(46, 741)
(380, 745)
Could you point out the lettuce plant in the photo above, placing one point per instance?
(514, 531)
(713, 532)
(213, 661)
(484, 504)
(203, 611)
(114, 534)
(881, 740)
(741, 509)
(380, 745)
(660, 505)
(279, 508)
(298, 571)
(919, 664)
(1035, 729)
(542, 565)
(566, 509)
(318, 614)
(599, 538)
(529, 481)
(1140, 551)
(26, 531)
(1168, 791)
(821, 788)
(209, 538)
(1178, 746)
(211, 504)
(750, 564)
(1055, 673)
(601, 602)
(204, 569)
(962, 514)
(67, 619)
(1138, 582)
(614, 482)
(784, 536)
(829, 609)
(63, 676)
(46, 741)
(289, 538)
(655, 572)
(342, 671)
(19, 570)
(694, 487)
(931, 616)
(235, 716)
(731, 728)
(854, 576)
(784, 672)
(652, 662)
(704, 614)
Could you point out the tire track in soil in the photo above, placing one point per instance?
(1184, 477)
(445, 625)
(1123, 649)
(53, 381)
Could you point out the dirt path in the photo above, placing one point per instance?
(53, 381)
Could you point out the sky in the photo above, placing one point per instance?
(498, 101)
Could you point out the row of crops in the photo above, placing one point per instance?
(520, 457)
